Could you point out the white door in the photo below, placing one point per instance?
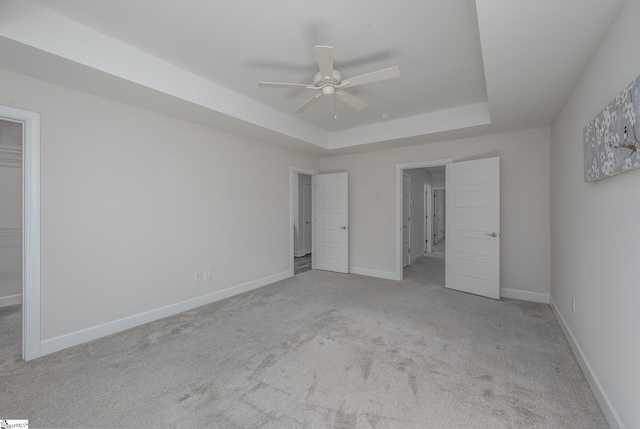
(331, 212)
(406, 219)
(306, 217)
(472, 257)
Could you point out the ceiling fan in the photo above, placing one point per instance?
(329, 81)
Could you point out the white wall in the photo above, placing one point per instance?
(595, 239)
(10, 213)
(133, 203)
(524, 209)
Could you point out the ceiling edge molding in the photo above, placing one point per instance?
(429, 123)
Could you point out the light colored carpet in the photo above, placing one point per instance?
(320, 350)
(10, 337)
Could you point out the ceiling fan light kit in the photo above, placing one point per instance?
(329, 81)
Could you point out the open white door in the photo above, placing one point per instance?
(473, 227)
(331, 211)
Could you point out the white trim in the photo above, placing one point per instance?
(389, 275)
(608, 410)
(399, 173)
(415, 258)
(524, 295)
(300, 253)
(31, 228)
(6, 301)
(293, 187)
(84, 335)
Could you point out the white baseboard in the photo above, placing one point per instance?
(6, 301)
(601, 396)
(372, 273)
(415, 258)
(524, 295)
(299, 253)
(84, 335)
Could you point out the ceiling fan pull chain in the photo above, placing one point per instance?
(335, 113)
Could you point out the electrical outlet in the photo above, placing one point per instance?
(207, 274)
(573, 306)
(198, 276)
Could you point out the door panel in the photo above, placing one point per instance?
(473, 227)
(331, 212)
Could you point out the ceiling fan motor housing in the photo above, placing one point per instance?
(320, 81)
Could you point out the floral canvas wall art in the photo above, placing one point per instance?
(611, 139)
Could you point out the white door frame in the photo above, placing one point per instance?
(293, 200)
(428, 218)
(399, 177)
(30, 228)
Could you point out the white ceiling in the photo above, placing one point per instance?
(466, 67)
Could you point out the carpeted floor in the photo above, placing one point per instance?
(319, 350)
(10, 337)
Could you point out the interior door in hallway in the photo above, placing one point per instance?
(306, 216)
(331, 211)
(406, 219)
(473, 227)
(440, 214)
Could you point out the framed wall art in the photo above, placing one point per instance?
(611, 139)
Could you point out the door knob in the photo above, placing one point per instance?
(343, 227)
(493, 234)
(307, 222)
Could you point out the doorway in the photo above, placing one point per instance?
(422, 221)
(30, 227)
(303, 256)
(423, 175)
(10, 241)
(301, 252)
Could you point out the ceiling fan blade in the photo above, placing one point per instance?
(308, 103)
(352, 101)
(285, 85)
(375, 76)
(324, 54)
